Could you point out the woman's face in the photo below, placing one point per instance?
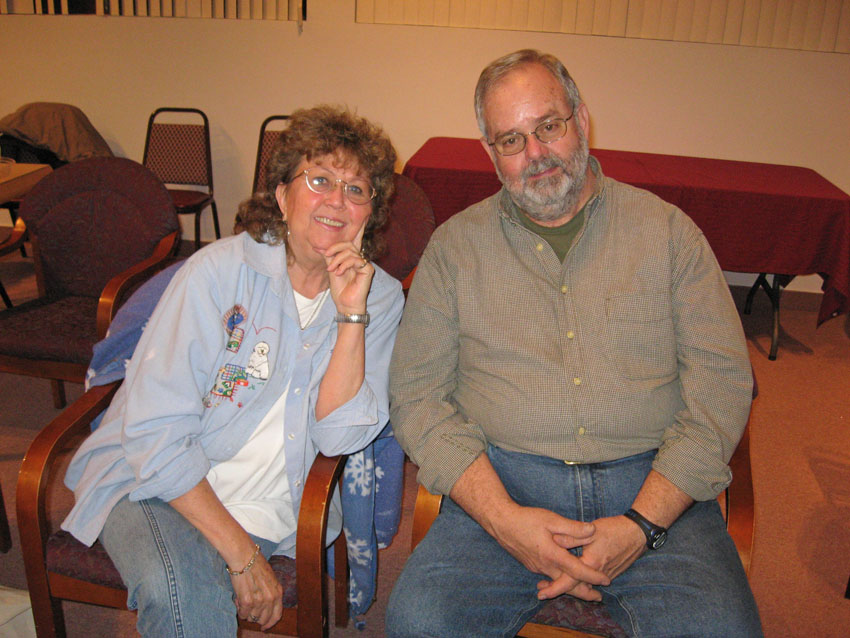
(317, 221)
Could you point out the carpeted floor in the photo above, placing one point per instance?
(800, 429)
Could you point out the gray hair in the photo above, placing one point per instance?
(499, 68)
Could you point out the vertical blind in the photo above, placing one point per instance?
(233, 9)
(812, 25)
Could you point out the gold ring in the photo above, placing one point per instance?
(363, 265)
(254, 618)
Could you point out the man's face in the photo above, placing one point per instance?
(544, 180)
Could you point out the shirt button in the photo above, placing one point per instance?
(571, 334)
(291, 436)
(297, 390)
(298, 483)
(581, 430)
(564, 289)
(306, 346)
(539, 247)
(577, 381)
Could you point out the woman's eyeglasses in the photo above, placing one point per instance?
(320, 180)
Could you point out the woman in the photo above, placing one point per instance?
(190, 482)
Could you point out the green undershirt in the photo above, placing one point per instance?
(560, 238)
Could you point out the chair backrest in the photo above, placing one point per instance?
(408, 229)
(178, 152)
(269, 132)
(91, 220)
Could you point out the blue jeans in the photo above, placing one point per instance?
(174, 577)
(460, 582)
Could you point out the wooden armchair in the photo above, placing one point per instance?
(97, 228)
(58, 567)
(568, 617)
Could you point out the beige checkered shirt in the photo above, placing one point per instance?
(632, 343)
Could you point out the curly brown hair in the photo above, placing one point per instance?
(317, 132)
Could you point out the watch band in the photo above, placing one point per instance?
(344, 317)
(656, 535)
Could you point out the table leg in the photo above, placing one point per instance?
(773, 292)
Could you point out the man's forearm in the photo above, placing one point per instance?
(660, 501)
(479, 491)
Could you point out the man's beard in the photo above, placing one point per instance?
(550, 198)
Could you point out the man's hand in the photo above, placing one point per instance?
(539, 539)
(614, 546)
(528, 533)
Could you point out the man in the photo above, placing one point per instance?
(571, 371)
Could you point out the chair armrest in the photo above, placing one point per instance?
(16, 239)
(311, 557)
(122, 283)
(35, 468)
(405, 285)
(424, 512)
(34, 475)
(740, 515)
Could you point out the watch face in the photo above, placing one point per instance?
(657, 539)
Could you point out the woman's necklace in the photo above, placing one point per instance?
(305, 323)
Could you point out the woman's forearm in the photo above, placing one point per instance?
(346, 369)
(203, 509)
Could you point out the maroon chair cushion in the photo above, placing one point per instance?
(93, 219)
(572, 613)
(189, 201)
(54, 330)
(408, 228)
(69, 557)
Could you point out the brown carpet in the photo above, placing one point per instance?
(800, 428)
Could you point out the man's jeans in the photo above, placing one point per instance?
(174, 577)
(460, 582)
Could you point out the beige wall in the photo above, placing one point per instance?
(766, 105)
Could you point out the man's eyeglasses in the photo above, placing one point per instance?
(547, 132)
(322, 181)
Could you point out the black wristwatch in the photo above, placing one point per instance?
(656, 535)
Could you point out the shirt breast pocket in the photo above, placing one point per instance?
(641, 339)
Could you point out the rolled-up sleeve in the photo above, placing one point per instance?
(714, 373)
(165, 389)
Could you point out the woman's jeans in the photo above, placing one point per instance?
(174, 577)
(460, 582)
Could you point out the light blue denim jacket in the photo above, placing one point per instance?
(194, 391)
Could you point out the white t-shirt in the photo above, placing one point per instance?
(253, 485)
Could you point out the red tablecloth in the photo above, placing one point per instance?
(758, 218)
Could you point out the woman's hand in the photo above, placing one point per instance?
(350, 275)
(258, 594)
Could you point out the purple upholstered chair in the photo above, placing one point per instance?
(98, 227)
(408, 229)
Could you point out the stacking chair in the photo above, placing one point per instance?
(569, 617)
(97, 228)
(58, 567)
(179, 154)
(269, 131)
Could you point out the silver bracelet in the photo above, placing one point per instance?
(344, 317)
